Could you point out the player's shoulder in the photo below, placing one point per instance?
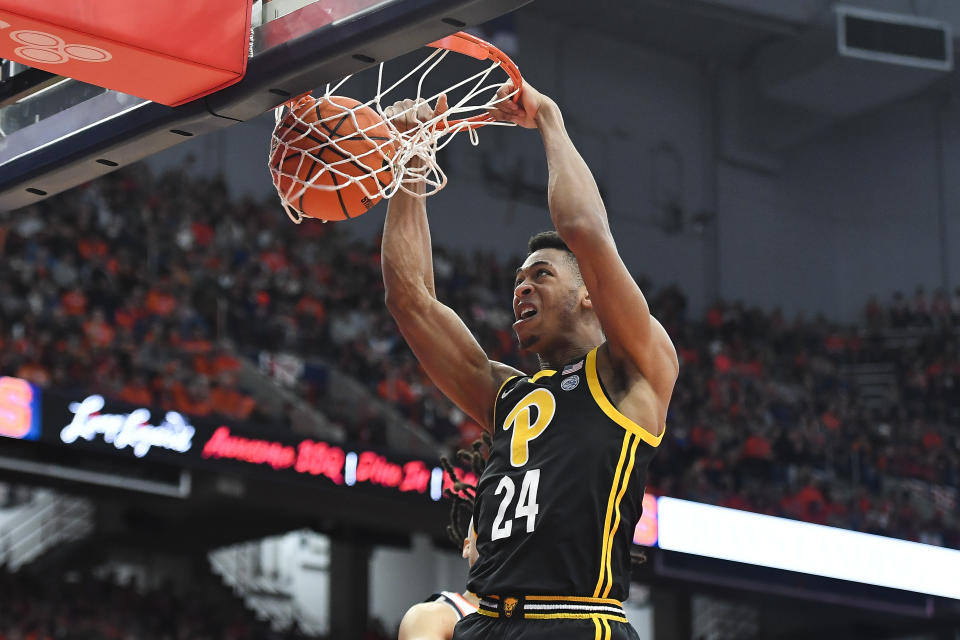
(504, 373)
(505, 379)
(428, 621)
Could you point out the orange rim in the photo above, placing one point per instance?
(470, 45)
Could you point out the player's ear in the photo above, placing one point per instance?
(586, 301)
(465, 554)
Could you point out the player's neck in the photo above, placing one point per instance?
(577, 339)
(471, 597)
(556, 357)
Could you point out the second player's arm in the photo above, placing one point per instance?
(443, 344)
(428, 621)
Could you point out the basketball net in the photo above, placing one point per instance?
(295, 137)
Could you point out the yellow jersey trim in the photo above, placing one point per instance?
(598, 618)
(616, 521)
(596, 390)
(596, 624)
(606, 625)
(609, 514)
(574, 616)
(541, 374)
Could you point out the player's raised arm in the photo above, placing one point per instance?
(441, 341)
(633, 336)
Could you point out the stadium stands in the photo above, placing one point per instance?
(149, 288)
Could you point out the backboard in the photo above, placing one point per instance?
(57, 132)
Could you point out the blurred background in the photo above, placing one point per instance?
(780, 179)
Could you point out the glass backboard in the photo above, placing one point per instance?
(57, 132)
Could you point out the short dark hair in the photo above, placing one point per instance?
(552, 240)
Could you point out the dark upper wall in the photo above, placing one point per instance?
(852, 211)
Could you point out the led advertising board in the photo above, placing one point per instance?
(95, 424)
(20, 412)
(790, 545)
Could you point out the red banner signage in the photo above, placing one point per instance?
(338, 465)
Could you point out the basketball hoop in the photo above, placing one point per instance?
(360, 158)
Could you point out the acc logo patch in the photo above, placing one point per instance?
(570, 383)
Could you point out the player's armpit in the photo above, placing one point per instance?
(428, 621)
(450, 355)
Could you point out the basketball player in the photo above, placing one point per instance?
(562, 491)
(436, 617)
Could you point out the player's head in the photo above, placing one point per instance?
(463, 495)
(550, 301)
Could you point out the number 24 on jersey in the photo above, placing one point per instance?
(527, 506)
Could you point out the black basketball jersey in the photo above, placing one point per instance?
(562, 490)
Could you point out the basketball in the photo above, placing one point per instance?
(321, 148)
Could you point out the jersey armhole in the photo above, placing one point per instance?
(600, 396)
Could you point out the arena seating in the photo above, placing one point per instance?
(149, 288)
(84, 606)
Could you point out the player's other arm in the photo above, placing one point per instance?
(633, 336)
(428, 621)
(441, 341)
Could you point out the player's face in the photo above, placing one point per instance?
(544, 297)
(470, 553)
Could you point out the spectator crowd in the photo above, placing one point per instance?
(151, 289)
(84, 606)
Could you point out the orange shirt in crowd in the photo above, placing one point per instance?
(757, 447)
(196, 345)
(806, 498)
(160, 303)
(396, 390)
(231, 403)
(92, 247)
(932, 440)
(35, 373)
(98, 333)
(192, 406)
(74, 302)
(274, 260)
(202, 233)
(138, 394)
(308, 305)
(223, 363)
(830, 421)
(127, 316)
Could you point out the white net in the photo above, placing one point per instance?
(307, 150)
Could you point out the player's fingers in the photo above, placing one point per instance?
(398, 107)
(418, 111)
(442, 105)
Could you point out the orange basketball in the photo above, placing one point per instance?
(322, 142)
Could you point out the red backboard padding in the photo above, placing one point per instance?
(168, 52)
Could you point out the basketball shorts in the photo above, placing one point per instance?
(545, 618)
